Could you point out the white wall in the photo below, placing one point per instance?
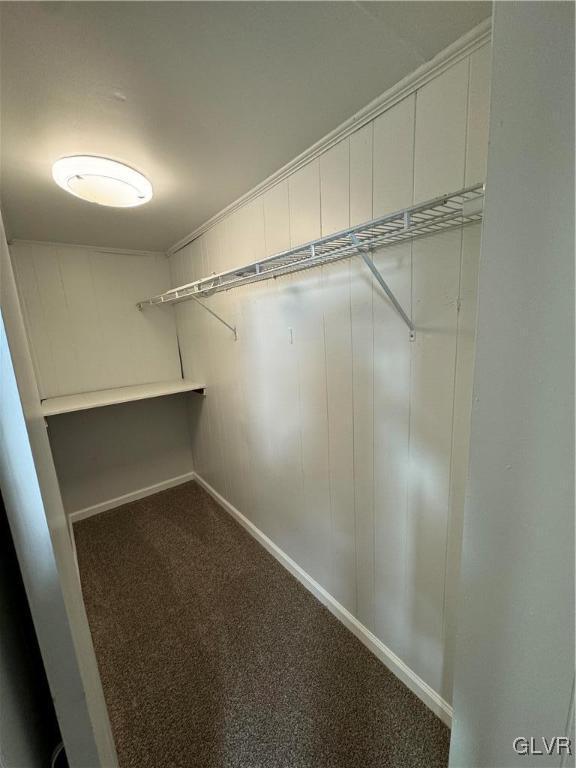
(85, 332)
(341, 440)
(38, 525)
(515, 661)
(106, 453)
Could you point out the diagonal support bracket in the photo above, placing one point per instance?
(231, 327)
(365, 254)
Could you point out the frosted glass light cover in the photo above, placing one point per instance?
(102, 181)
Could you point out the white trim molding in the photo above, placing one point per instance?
(394, 663)
(140, 493)
(460, 49)
(94, 248)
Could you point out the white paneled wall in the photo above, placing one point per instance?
(108, 453)
(85, 333)
(342, 441)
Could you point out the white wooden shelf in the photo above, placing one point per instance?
(86, 400)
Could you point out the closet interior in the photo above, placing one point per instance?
(260, 435)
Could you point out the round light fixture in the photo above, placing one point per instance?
(102, 181)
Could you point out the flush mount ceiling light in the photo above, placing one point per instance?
(102, 181)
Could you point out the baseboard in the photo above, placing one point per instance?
(140, 493)
(424, 692)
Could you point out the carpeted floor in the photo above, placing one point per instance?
(213, 656)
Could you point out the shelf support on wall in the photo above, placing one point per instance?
(214, 314)
(142, 304)
(365, 253)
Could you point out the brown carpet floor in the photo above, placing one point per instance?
(213, 656)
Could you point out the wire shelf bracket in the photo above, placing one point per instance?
(216, 315)
(365, 254)
(443, 213)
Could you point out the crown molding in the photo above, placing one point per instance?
(95, 248)
(460, 49)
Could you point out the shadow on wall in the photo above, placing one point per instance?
(28, 727)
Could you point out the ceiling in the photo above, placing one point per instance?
(205, 98)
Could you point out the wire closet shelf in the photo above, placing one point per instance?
(440, 214)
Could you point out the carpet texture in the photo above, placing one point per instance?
(213, 656)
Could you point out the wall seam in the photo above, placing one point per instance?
(82, 387)
(27, 325)
(56, 377)
(353, 436)
(355, 503)
(449, 516)
(327, 395)
(412, 347)
(373, 494)
(291, 279)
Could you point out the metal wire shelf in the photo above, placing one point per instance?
(437, 215)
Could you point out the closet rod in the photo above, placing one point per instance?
(442, 213)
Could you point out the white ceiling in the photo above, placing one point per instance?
(205, 98)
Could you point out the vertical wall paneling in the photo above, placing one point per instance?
(340, 439)
(361, 162)
(194, 347)
(394, 158)
(212, 409)
(280, 486)
(83, 308)
(36, 328)
(111, 276)
(247, 312)
(312, 541)
(204, 413)
(304, 196)
(277, 219)
(478, 113)
(53, 301)
(186, 267)
(441, 108)
(335, 188)
(436, 265)
(260, 336)
(439, 166)
(84, 328)
(361, 313)
(87, 334)
(238, 246)
(460, 440)
(393, 189)
(226, 381)
(335, 216)
(392, 353)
